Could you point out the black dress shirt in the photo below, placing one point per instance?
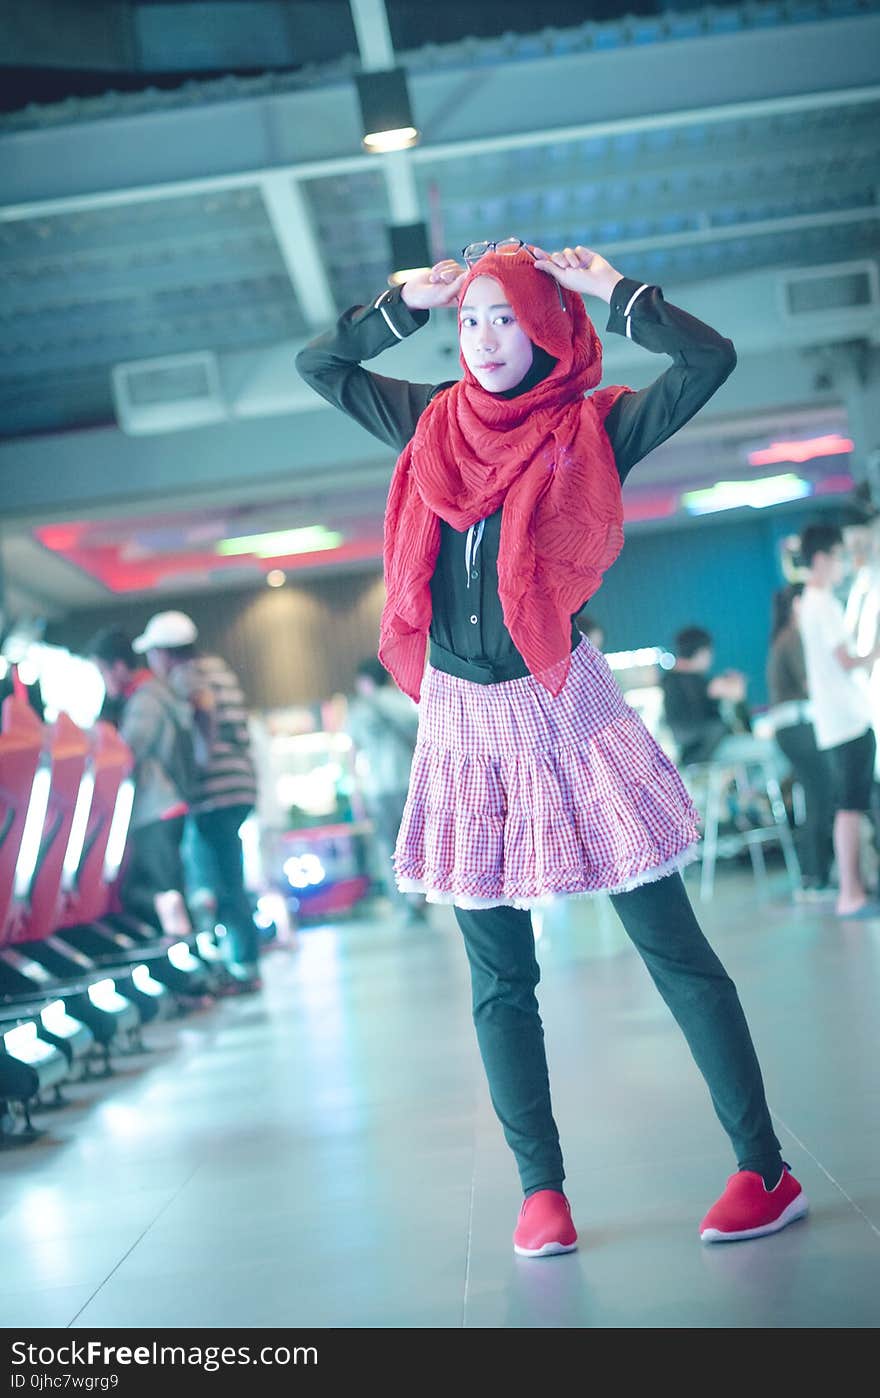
(468, 635)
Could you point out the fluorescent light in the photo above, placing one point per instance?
(105, 996)
(304, 871)
(281, 543)
(181, 957)
(22, 1043)
(29, 852)
(629, 659)
(145, 982)
(28, 671)
(208, 948)
(78, 829)
(57, 1021)
(263, 916)
(381, 141)
(751, 494)
(386, 112)
(118, 830)
(405, 274)
(410, 251)
(833, 444)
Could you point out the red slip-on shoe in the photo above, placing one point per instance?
(748, 1209)
(545, 1225)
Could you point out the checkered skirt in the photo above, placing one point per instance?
(516, 796)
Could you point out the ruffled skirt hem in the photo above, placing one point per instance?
(461, 899)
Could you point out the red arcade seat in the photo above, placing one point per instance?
(60, 804)
(68, 750)
(92, 860)
(21, 742)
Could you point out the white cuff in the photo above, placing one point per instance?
(634, 298)
(378, 305)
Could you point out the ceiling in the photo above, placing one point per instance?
(224, 208)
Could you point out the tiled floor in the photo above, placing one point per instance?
(325, 1154)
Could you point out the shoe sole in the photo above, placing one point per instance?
(795, 1210)
(548, 1250)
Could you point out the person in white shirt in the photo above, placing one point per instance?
(837, 683)
(863, 606)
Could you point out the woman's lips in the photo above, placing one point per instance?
(491, 367)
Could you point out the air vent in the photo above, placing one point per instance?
(167, 395)
(822, 292)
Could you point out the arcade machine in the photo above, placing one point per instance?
(34, 962)
(316, 842)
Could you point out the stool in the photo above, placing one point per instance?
(708, 784)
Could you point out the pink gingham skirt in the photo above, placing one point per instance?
(516, 796)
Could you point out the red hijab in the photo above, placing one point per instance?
(544, 456)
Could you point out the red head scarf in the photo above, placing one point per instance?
(544, 456)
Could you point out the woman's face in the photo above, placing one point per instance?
(495, 348)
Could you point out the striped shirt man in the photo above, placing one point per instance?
(228, 774)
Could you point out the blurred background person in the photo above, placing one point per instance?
(226, 788)
(158, 730)
(383, 725)
(837, 681)
(792, 719)
(692, 704)
(862, 613)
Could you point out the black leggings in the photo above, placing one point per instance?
(153, 864)
(660, 921)
(812, 769)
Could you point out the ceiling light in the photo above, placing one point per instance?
(833, 444)
(737, 495)
(409, 251)
(385, 111)
(282, 543)
(276, 578)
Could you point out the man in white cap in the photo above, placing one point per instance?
(226, 789)
(158, 729)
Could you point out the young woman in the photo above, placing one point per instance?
(531, 774)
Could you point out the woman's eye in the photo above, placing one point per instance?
(503, 320)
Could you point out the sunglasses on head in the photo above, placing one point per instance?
(506, 247)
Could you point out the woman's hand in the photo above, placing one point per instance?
(426, 291)
(579, 269)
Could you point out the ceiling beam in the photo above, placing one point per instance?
(428, 154)
(716, 233)
(294, 231)
(373, 34)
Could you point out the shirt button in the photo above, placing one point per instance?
(474, 573)
(473, 620)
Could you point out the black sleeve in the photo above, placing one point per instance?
(331, 365)
(701, 361)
